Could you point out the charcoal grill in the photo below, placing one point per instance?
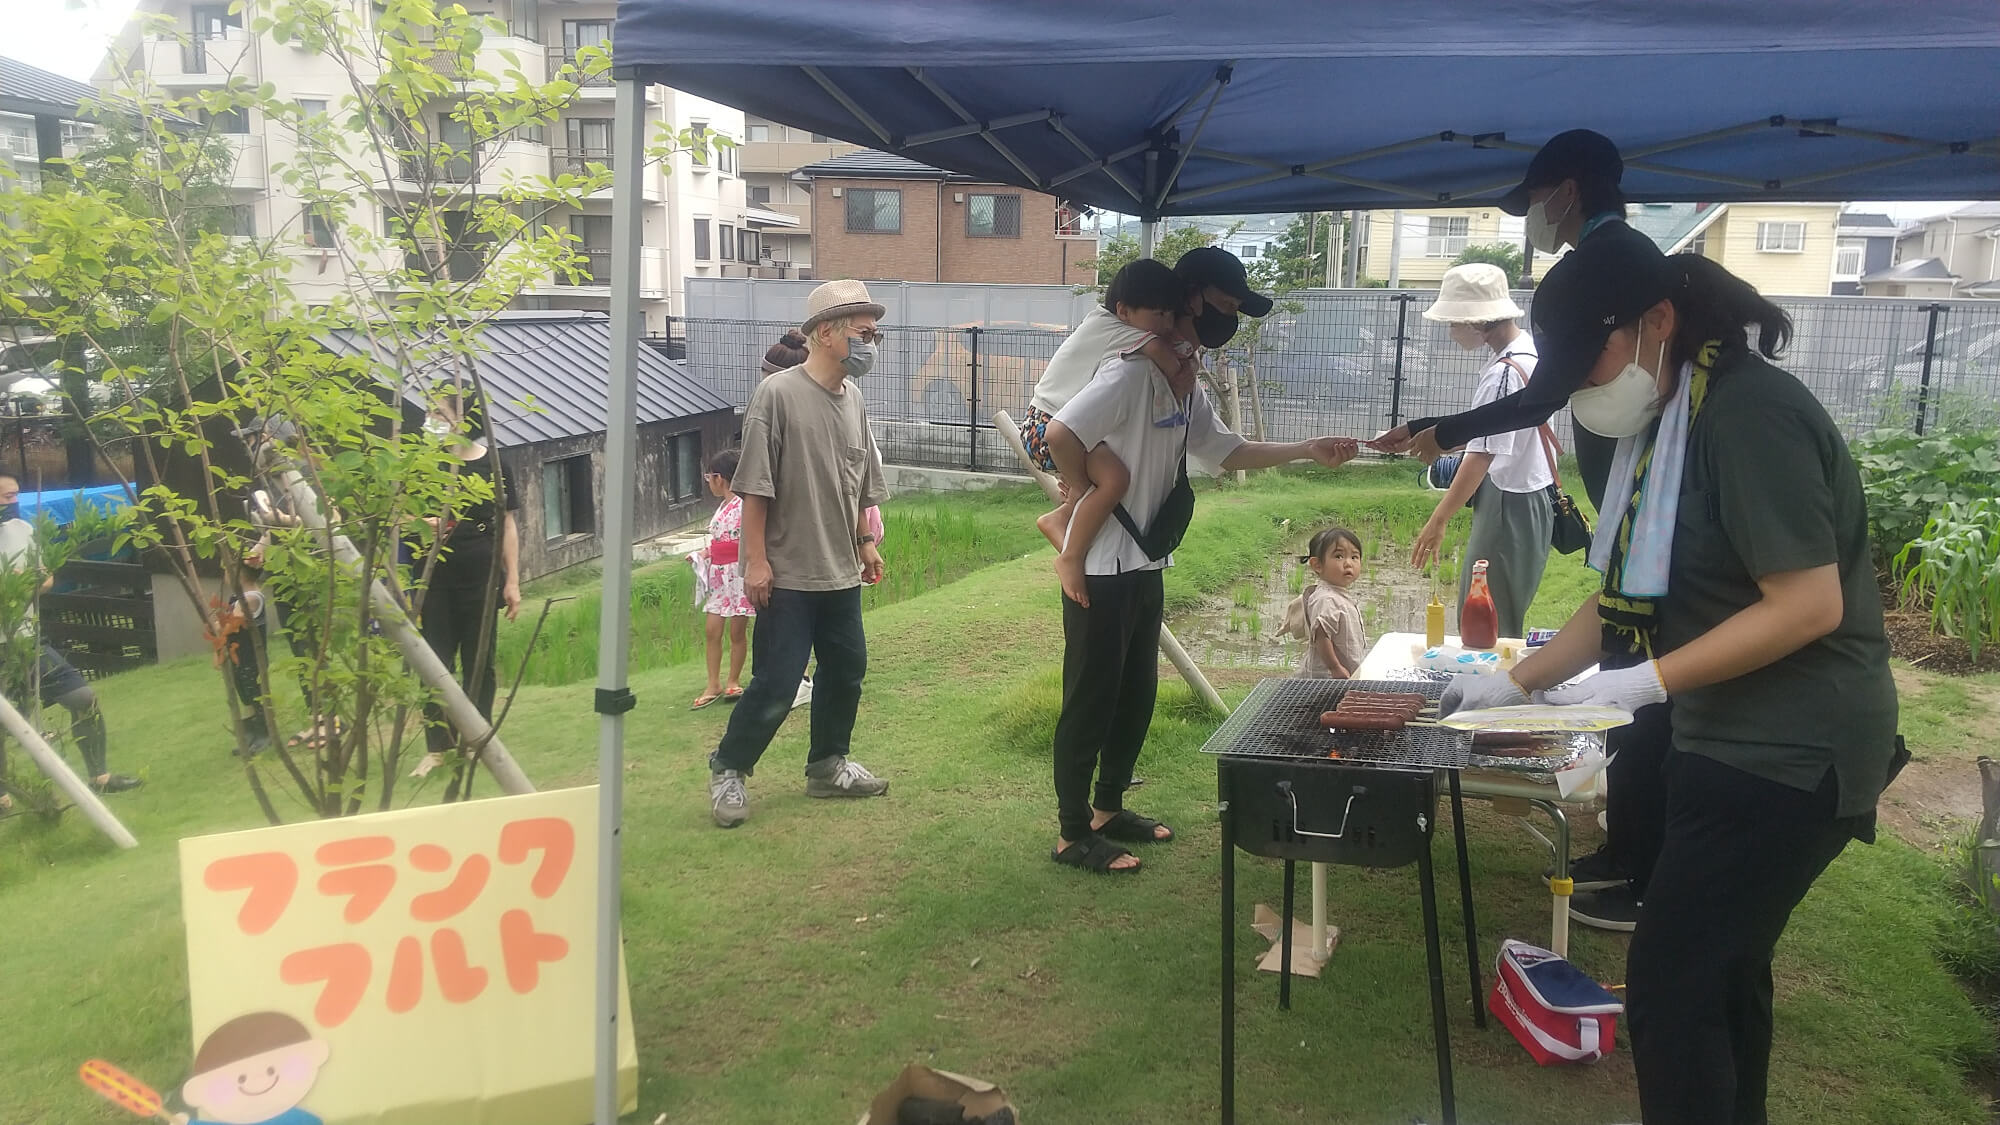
(1292, 790)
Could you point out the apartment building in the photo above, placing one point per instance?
(1956, 254)
(694, 218)
(878, 216)
(771, 157)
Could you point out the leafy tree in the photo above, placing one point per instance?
(194, 332)
(1121, 250)
(1504, 255)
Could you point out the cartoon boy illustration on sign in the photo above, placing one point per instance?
(254, 1070)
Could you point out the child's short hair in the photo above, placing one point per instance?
(1330, 538)
(723, 464)
(1146, 284)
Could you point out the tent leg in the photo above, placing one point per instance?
(20, 730)
(614, 634)
(1169, 644)
(1149, 236)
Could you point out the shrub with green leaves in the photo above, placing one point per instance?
(1953, 567)
(1909, 478)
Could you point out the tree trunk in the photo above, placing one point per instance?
(1236, 411)
(1256, 403)
(79, 454)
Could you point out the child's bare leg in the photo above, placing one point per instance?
(1109, 478)
(1053, 523)
(739, 644)
(714, 655)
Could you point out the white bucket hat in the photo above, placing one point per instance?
(838, 299)
(1474, 293)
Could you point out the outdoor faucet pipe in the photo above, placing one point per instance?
(416, 651)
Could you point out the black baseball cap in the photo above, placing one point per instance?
(1607, 282)
(1212, 265)
(1579, 155)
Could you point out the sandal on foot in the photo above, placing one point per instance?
(1094, 853)
(1128, 827)
(701, 701)
(732, 695)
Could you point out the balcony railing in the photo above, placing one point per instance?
(560, 57)
(595, 270)
(453, 168)
(577, 161)
(1069, 224)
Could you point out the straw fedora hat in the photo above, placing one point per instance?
(838, 299)
(1474, 293)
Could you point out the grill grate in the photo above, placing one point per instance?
(1280, 719)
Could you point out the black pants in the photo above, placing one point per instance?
(1635, 809)
(454, 612)
(1111, 674)
(1739, 854)
(796, 626)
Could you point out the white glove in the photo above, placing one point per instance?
(1627, 689)
(1471, 692)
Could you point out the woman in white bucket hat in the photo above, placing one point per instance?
(1505, 477)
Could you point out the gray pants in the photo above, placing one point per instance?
(1510, 530)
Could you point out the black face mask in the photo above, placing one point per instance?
(10, 511)
(1214, 328)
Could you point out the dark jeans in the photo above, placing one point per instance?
(62, 684)
(1739, 854)
(453, 614)
(796, 626)
(1111, 673)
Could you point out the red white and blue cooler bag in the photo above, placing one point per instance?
(1559, 1014)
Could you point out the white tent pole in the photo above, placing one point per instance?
(1149, 232)
(1354, 240)
(1396, 252)
(615, 626)
(65, 779)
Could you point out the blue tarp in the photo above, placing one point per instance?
(1329, 106)
(61, 505)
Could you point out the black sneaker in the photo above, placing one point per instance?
(1614, 908)
(116, 783)
(1594, 872)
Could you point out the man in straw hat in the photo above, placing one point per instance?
(808, 473)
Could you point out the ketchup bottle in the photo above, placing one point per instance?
(1478, 621)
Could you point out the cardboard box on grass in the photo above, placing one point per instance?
(919, 1081)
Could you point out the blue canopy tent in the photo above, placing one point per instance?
(1160, 109)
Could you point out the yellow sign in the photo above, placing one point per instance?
(405, 968)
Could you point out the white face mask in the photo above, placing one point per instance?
(1468, 336)
(1542, 229)
(1625, 405)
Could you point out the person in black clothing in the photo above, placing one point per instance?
(1737, 581)
(480, 549)
(1570, 197)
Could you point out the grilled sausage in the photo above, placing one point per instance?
(1362, 721)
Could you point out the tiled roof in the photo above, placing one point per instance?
(868, 164)
(31, 90)
(561, 361)
(1920, 269)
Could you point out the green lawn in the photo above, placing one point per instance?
(783, 972)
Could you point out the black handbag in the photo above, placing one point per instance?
(1569, 533)
(1170, 523)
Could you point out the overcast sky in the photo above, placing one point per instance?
(69, 36)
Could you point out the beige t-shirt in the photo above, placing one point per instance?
(810, 453)
(1326, 611)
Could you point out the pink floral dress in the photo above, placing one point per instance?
(725, 579)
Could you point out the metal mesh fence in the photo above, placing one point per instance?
(1356, 362)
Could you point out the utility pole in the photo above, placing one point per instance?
(1354, 240)
(1396, 253)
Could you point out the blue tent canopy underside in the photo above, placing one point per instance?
(1929, 73)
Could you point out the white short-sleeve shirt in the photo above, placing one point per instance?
(1130, 408)
(1098, 338)
(1519, 464)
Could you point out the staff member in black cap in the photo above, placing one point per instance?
(1737, 581)
(1570, 196)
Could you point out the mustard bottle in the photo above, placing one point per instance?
(1434, 622)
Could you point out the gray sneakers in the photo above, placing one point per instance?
(841, 777)
(727, 798)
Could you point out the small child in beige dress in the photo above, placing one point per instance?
(1326, 615)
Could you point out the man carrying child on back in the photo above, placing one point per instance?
(1151, 423)
(1130, 321)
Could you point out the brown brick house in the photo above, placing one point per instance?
(881, 217)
